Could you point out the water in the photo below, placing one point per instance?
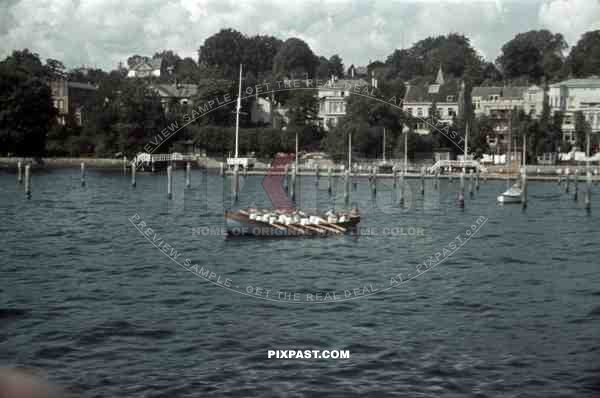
(87, 300)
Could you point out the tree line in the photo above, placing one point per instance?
(125, 113)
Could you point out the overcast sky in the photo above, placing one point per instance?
(103, 32)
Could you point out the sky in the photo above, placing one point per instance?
(100, 33)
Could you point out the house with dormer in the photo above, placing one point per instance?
(421, 95)
(147, 68)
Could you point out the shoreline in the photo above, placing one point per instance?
(547, 173)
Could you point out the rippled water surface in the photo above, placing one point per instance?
(88, 300)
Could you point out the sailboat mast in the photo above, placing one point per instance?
(237, 113)
(350, 151)
(405, 152)
(384, 145)
(467, 141)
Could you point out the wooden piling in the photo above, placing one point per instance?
(293, 184)
(329, 180)
(152, 164)
(317, 175)
(401, 193)
(461, 192)
(524, 188)
(477, 181)
(222, 169)
(575, 186)
(82, 174)
(19, 172)
(235, 182)
(471, 185)
(170, 182)
(28, 181)
(124, 165)
(188, 175)
(395, 176)
(436, 180)
(566, 181)
(347, 186)
(422, 180)
(374, 181)
(588, 191)
(133, 174)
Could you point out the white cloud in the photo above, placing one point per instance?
(572, 18)
(104, 32)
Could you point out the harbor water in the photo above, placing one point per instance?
(92, 300)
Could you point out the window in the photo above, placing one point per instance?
(409, 110)
(419, 111)
(450, 98)
(451, 112)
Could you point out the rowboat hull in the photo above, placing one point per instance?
(239, 224)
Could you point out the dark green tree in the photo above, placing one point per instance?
(584, 59)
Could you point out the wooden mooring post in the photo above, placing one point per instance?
(170, 182)
(588, 191)
(477, 181)
(422, 180)
(19, 172)
(460, 200)
(133, 174)
(293, 184)
(82, 174)
(317, 175)
(524, 187)
(188, 175)
(28, 181)
(124, 165)
(394, 176)
(575, 185)
(374, 181)
(471, 184)
(347, 186)
(329, 180)
(236, 183)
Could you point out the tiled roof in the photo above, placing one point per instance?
(591, 82)
(420, 92)
(176, 90)
(503, 92)
(84, 86)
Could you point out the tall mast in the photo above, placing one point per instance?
(467, 141)
(509, 144)
(350, 150)
(384, 145)
(405, 152)
(237, 113)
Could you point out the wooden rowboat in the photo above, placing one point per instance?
(298, 223)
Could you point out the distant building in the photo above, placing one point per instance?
(71, 99)
(574, 95)
(332, 99)
(181, 93)
(420, 97)
(147, 68)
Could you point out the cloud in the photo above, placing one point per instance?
(572, 18)
(104, 32)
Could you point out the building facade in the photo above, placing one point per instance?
(332, 99)
(72, 99)
(421, 96)
(571, 96)
(147, 68)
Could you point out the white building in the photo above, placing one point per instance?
(147, 68)
(497, 103)
(419, 98)
(332, 99)
(574, 95)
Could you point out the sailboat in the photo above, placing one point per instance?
(514, 193)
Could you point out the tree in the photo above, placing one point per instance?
(534, 54)
(135, 59)
(294, 59)
(225, 51)
(582, 129)
(584, 59)
(453, 52)
(336, 67)
(27, 112)
(55, 68)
